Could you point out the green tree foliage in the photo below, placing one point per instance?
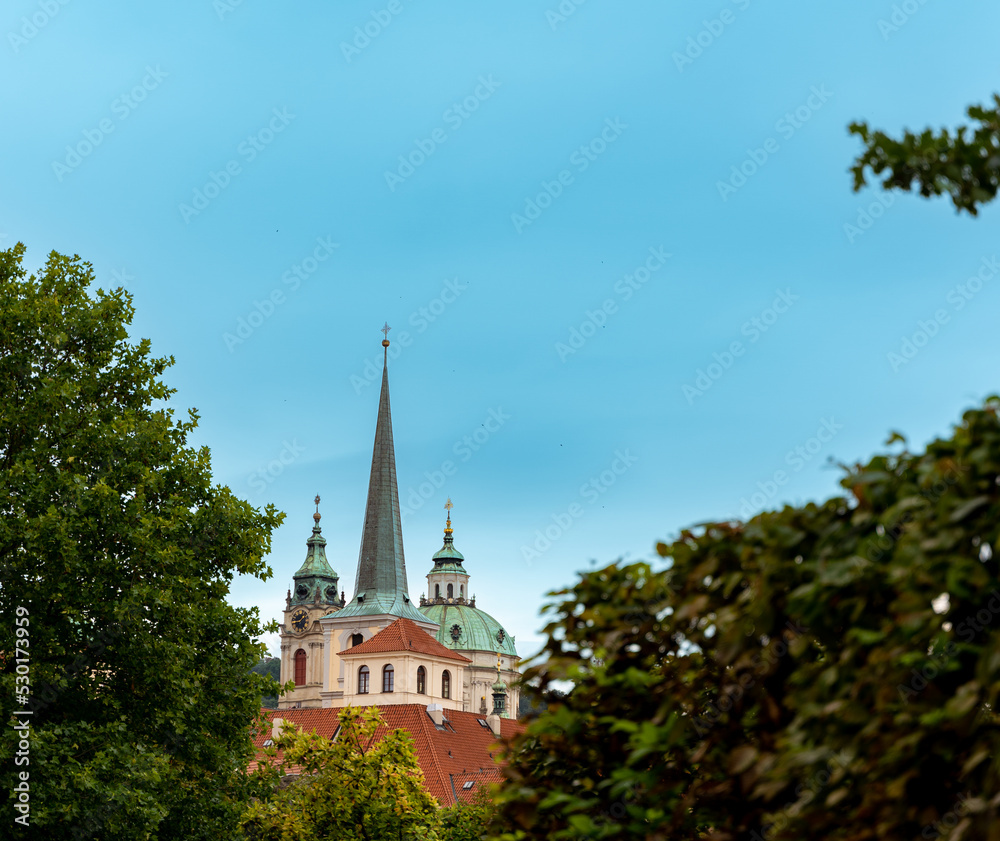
(468, 821)
(353, 788)
(269, 667)
(965, 165)
(827, 671)
(119, 552)
(365, 785)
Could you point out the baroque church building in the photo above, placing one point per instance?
(380, 648)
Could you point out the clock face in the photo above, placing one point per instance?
(300, 619)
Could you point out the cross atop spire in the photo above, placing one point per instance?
(316, 516)
(448, 529)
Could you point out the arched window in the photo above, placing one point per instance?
(300, 667)
(363, 680)
(437, 591)
(446, 684)
(451, 591)
(461, 591)
(421, 680)
(387, 678)
(356, 639)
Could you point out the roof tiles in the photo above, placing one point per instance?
(463, 751)
(405, 635)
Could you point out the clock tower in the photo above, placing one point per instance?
(314, 594)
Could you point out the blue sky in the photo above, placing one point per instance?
(613, 242)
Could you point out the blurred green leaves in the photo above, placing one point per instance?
(964, 165)
(772, 670)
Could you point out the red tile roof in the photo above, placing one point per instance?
(463, 751)
(404, 635)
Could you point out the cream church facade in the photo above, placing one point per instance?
(380, 648)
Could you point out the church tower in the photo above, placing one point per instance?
(313, 595)
(380, 592)
(469, 630)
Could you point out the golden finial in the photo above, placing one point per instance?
(316, 515)
(385, 332)
(448, 529)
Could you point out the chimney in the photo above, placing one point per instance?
(436, 713)
(277, 724)
(493, 720)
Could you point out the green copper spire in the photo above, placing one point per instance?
(381, 582)
(316, 580)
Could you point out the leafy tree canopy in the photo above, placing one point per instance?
(825, 671)
(965, 165)
(118, 551)
(353, 788)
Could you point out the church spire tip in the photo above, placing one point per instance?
(385, 341)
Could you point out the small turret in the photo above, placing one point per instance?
(499, 693)
(315, 581)
(448, 582)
